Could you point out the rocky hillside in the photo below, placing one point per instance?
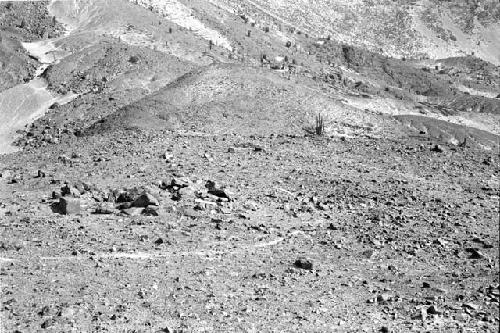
(400, 28)
(21, 22)
(249, 166)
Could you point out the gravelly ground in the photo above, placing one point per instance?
(391, 230)
(172, 196)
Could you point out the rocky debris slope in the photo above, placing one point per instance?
(113, 68)
(22, 22)
(437, 84)
(438, 29)
(181, 194)
(309, 233)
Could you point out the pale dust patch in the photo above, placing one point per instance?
(206, 254)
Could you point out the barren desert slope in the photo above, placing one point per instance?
(249, 166)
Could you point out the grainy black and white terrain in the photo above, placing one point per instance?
(249, 166)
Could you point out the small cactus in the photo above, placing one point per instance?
(320, 125)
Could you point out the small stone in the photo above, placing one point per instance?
(383, 298)
(426, 285)
(186, 193)
(385, 329)
(67, 313)
(475, 253)
(13, 180)
(48, 323)
(166, 329)
(440, 241)
(67, 190)
(190, 212)
(44, 311)
(105, 209)
(471, 306)
(127, 195)
(461, 317)
(421, 315)
(437, 149)
(69, 206)
(441, 290)
(167, 156)
(40, 174)
(134, 211)
(332, 226)
(217, 191)
(433, 310)
(151, 211)
(180, 182)
(145, 200)
(6, 174)
(159, 241)
(303, 263)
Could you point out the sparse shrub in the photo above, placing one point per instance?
(320, 125)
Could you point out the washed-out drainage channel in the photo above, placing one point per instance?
(24, 103)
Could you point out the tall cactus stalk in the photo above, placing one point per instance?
(320, 124)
